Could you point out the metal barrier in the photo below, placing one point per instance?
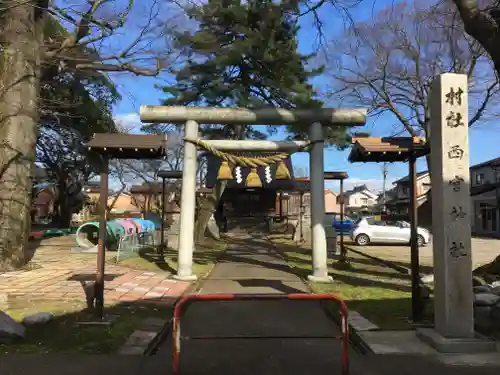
(176, 328)
(130, 244)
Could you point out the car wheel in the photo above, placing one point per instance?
(420, 240)
(362, 240)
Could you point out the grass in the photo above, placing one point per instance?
(204, 258)
(377, 292)
(63, 335)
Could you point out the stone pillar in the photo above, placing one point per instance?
(188, 203)
(316, 167)
(451, 215)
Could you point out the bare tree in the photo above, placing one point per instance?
(482, 21)
(94, 37)
(390, 63)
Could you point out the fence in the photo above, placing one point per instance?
(293, 208)
(129, 245)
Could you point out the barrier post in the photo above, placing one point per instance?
(176, 321)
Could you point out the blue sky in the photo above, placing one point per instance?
(483, 139)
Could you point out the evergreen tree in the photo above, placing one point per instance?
(244, 55)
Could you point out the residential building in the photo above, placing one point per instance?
(332, 203)
(92, 190)
(360, 200)
(484, 191)
(383, 198)
(485, 198)
(122, 202)
(400, 203)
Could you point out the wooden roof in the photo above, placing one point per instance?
(151, 188)
(389, 149)
(213, 164)
(129, 146)
(335, 175)
(170, 174)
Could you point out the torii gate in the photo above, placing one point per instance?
(315, 119)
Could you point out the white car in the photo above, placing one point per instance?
(369, 230)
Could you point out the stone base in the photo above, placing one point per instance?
(320, 279)
(478, 344)
(185, 278)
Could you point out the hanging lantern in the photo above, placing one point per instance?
(253, 179)
(224, 171)
(282, 172)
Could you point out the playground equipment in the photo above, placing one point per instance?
(180, 308)
(87, 235)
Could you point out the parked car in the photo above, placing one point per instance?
(369, 230)
(345, 226)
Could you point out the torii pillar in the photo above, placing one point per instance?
(193, 116)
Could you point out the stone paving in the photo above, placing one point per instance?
(59, 274)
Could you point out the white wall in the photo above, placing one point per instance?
(357, 200)
(489, 176)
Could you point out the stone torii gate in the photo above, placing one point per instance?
(315, 119)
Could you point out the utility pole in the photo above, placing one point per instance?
(384, 173)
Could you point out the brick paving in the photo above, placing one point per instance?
(59, 274)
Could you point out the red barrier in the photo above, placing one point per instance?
(176, 329)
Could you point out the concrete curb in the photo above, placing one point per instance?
(156, 337)
(151, 332)
(140, 340)
(357, 342)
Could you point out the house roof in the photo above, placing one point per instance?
(91, 188)
(359, 189)
(490, 163)
(329, 191)
(406, 201)
(485, 188)
(151, 188)
(389, 149)
(407, 178)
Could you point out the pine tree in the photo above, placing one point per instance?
(245, 55)
(242, 55)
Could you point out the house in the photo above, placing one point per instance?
(332, 203)
(360, 200)
(122, 203)
(43, 202)
(485, 198)
(147, 197)
(401, 202)
(382, 198)
(92, 190)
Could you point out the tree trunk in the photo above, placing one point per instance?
(19, 87)
(207, 208)
(63, 209)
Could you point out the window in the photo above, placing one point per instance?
(372, 221)
(391, 223)
(364, 201)
(479, 178)
(405, 191)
